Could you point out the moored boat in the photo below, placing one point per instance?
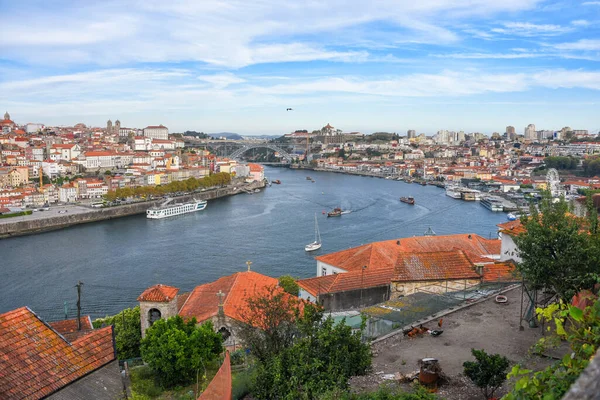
(277, 181)
(336, 212)
(316, 245)
(408, 200)
(492, 204)
(453, 191)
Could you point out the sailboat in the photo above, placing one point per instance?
(316, 245)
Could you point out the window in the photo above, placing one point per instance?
(323, 271)
(225, 333)
(153, 316)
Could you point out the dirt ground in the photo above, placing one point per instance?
(486, 325)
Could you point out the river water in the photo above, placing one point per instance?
(117, 259)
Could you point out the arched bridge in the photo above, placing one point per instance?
(284, 154)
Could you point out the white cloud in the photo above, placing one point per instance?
(583, 44)
(580, 22)
(591, 3)
(531, 30)
(235, 33)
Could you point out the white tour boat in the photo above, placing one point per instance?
(316, 245)
(166, 209)
(453, 191)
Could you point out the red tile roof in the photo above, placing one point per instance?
(220, 386)
(159, 293)
(385, 254)
(203, 302)
(36, 361)
(439, 265)
(512, 228)
(347, 281)
(500, 272)
(70, 325)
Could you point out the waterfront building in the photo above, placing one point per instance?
(55, 360)
(157, 132)
(257, 172)
(224, 302)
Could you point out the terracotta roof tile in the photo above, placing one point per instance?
(439, 265)
(36, 360)
(159, 293)
(220, 386)
(70, 325)
(385, 254)
(203, 302)
(500, 272)
(512, 228)
(347, 281)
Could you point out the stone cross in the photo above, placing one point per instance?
(248, 263)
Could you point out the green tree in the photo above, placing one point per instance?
(176, 350)
(289, 285)
(324, 356)
(128, 333)
(581, 330)
(557, 249)
(488, 372)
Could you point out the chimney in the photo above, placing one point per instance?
(479, 269)
(221, 295)
(398, 242)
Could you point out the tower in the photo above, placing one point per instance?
(6, 115)
(117, 127)
(109, 126)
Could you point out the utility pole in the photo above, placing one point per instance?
(362, 273)
(78, 286)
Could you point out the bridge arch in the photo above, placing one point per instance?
(284, 154)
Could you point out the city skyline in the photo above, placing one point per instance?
(230, 66)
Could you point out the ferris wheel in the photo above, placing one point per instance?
(553, 182)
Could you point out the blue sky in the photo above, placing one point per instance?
(473, 65)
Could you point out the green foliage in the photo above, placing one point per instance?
(488, 372)
(557, 250)
(17, 214)
(324, 355)
(241, 383)
(383, 393)
(128, 333)
(189, 185)
(581, 329)
(143, 382)
(561, 162)
(289, 285)
(176, 350)
(591, 166)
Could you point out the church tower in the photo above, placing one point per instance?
(6, 115)
(117, 126)
(109, 126)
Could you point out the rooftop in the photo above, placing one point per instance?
(159, 293)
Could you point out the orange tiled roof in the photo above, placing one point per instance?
(203, 301)
(220, 386)
(347, 281)
(439, 265)
(385, 254)
(159, 293)
(512, 228)
(36, 361)
(500, 272)
(70, 325)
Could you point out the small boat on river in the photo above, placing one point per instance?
(316, 245)
(336, 212)
(408, 200)
(277, 182)
(308, 178)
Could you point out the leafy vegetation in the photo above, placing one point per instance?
(128, 333)
(16, 214)
(581, 329)
(190, 184)
(383, 393)
(591, 166)
(561, 162)
(300, 355)
(289, 285)
(559, 251)
(488, 372)
(178, 350)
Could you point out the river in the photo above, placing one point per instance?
(117, 259)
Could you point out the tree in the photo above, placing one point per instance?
(269, 323)
(557, 249)
(289, 285)
(581, 330)
(128, 332)
(488, 372)
(176, 349)
(323, 356)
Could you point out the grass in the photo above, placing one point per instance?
(17, 214)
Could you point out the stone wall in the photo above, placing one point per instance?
(167, 309)
(29, 227)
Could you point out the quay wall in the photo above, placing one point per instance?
(29, 227)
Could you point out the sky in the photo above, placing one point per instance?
(236, 66)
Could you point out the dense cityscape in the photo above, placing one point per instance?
(330, 200)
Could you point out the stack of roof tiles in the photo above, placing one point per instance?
(36, 361)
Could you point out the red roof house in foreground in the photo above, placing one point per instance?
(36, 361)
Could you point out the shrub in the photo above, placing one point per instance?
(488, 372)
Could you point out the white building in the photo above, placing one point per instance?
(33, 128)
(530, 132)
(50, 169)
(157, 132)
(67, 193)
